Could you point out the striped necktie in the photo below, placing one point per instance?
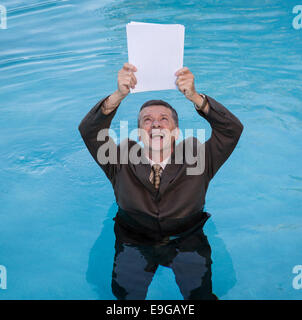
(155, 175)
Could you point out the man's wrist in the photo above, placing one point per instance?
(201, 102)
(119, 96)
(197, 99)
(112, 102)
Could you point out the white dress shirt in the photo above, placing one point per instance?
(162, 164)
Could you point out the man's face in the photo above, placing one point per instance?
(157, 128)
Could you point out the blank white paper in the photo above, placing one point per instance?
(157, 52)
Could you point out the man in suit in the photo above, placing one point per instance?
(160, 204)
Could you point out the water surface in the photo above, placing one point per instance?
(58, 58)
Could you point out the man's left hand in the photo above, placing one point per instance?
(185, 83)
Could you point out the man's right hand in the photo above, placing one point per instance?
(126, 79)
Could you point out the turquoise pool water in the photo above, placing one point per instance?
(58, 58)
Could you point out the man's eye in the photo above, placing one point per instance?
(164, 118)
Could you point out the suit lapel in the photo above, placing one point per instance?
(142, 171)
(169, 174)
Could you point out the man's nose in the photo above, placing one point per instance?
(155, 124)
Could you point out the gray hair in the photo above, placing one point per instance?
(158, 103)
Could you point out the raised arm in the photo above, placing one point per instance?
(226, 131)
(94, 128)
(226, 127)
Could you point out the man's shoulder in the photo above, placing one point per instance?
(130, 151)
(190, 143)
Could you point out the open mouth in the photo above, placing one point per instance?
(157, 135)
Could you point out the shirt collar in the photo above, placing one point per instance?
(162, 164)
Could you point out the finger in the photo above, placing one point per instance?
(182, 71)
(129, 67)
(184, 86)
(185, 77)
(182, 90)
(129, 80)
(126, 66)
(125, 77)
(133, 77)
(180, 85)
(126, 81)
(186, 80)
(180, 82)
(183, 83)
(179, 72)
(128, 74)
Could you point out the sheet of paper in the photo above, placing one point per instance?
(157, 51)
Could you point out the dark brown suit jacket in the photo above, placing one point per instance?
(178, 205)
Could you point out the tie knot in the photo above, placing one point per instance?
(157, 168)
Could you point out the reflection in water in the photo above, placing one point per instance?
(131, 267)
(189, 258)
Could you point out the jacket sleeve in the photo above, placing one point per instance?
(94, 129)
(226, 131)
